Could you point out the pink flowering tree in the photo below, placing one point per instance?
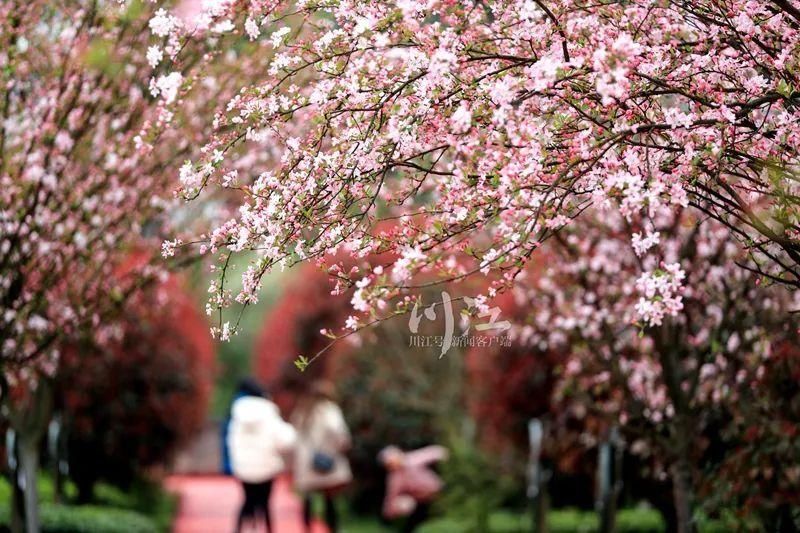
(72, 175)
(481, 128)
(667, 385)
(91, 139)
(87, 166)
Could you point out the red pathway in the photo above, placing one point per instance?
(209, 504)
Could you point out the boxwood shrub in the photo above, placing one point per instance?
(87, 519)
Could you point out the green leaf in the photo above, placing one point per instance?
(301, 363)
(784, 88)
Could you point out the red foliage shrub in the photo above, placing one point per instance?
(509, 386)
(293, 327)
(129, 404)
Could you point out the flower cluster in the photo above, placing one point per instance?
(586, 300)
(660, 293)
(94, 113)
(481, 134)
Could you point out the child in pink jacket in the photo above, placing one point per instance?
(411, 485)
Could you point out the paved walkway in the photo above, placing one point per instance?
(209, 504)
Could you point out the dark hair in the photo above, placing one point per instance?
(250, 387)
(317, 392)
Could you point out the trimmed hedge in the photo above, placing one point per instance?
(87, 519)
(145, 499)
(628, 521)
(558, 521)
(637, 520)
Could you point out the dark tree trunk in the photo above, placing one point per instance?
(17, 495)
(85, 486)
(683, 496)
(675, 375)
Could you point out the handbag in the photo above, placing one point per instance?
(322, 463)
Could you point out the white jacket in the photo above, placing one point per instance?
(258, 439)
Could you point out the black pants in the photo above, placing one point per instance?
(256, 503)
(417, 517)
(331, 517)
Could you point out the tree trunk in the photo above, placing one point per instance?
(610, 477)
(683, 496)
(85, 485)
(540, 510)
(27, 467)
(675, 375)
(17, 494)
(29, 421)
(55, 439)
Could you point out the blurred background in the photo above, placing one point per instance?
(580, 418)
(135, 438)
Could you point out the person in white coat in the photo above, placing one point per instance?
(258, 441)
(320, 464)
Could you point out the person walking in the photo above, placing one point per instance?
(246, 387)
(258, 440)
(411, 485)
(320, 464)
